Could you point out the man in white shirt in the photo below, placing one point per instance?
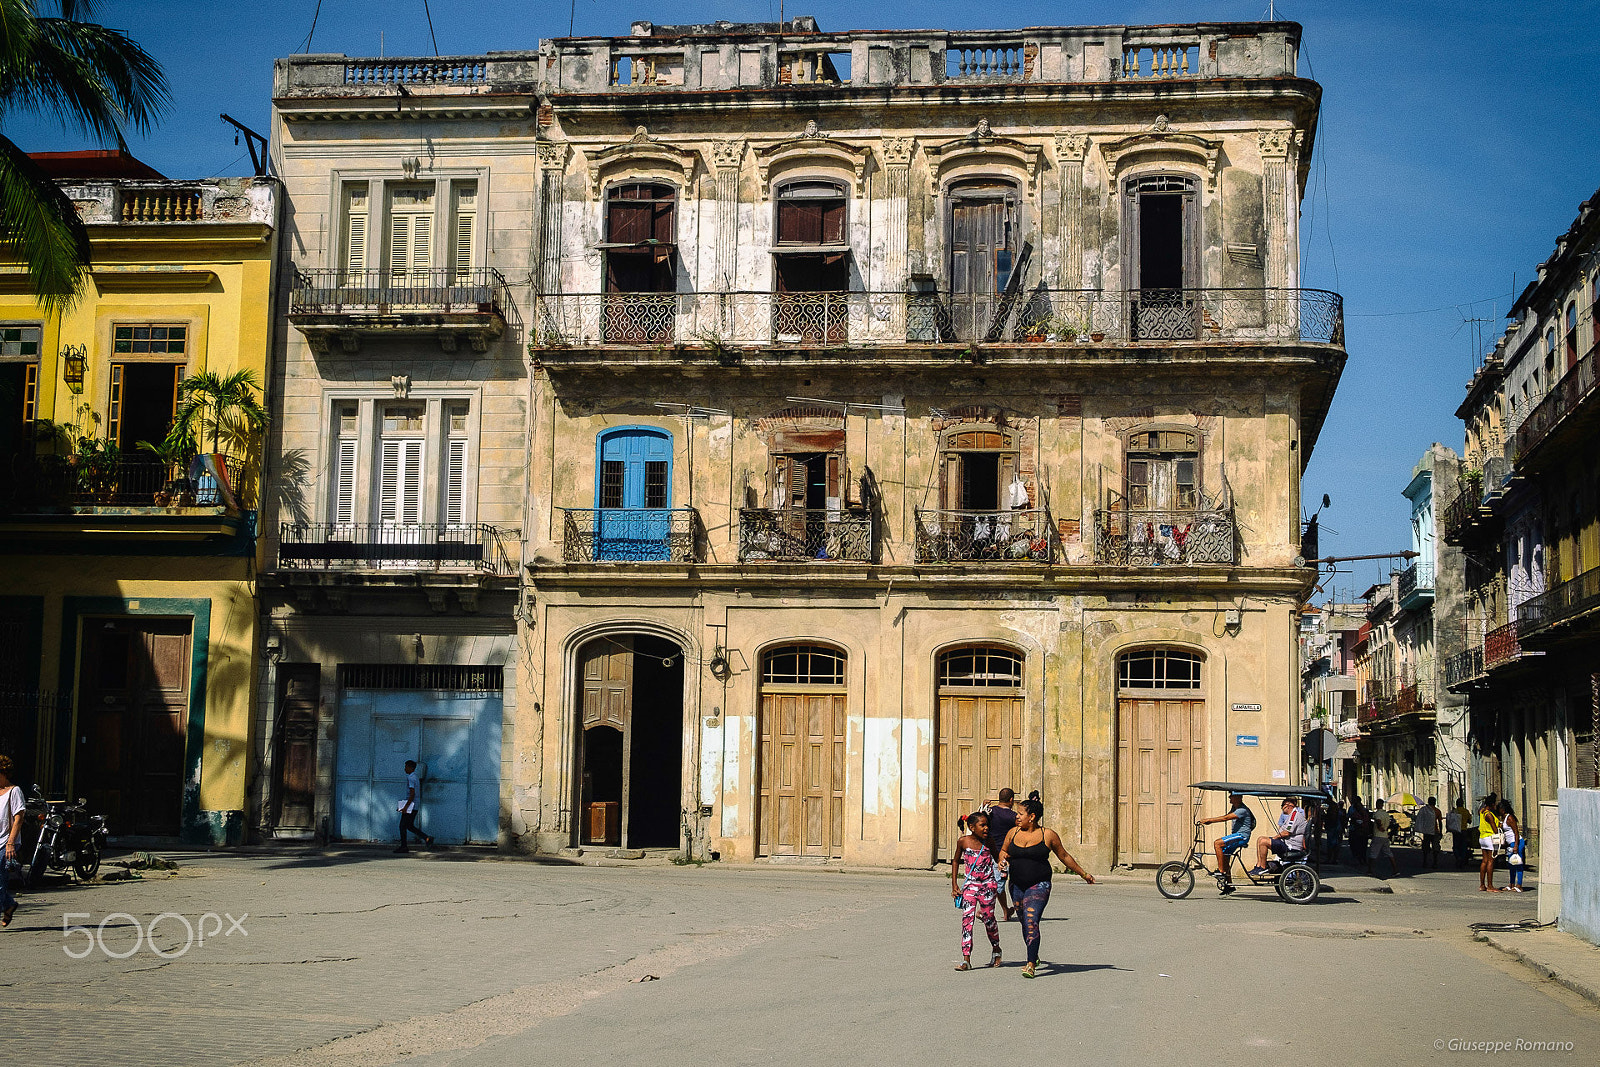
(1291, 836)
(408, 809)
(1428, 819)
(12, 805)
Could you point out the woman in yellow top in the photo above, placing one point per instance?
(1489, 842)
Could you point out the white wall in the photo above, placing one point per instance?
(1580, 863)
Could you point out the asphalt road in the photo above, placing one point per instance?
(365, 958)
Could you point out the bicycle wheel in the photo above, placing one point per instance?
(1175, 880)
(1299, 884)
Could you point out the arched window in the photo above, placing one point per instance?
(980, 667)
(980, 465)
(632, 519)
(1161, 242)
(1572, 334)
(1159, 669)
(807, 665)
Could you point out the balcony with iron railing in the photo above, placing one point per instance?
(340, 307)
(1006, 538)
(805, 535)
(1502, 646)
(1563, 609)
(1138, 538)
(630, 535)
(1416, 586)
(1037, 324)
(112, 481)
(1464, 667)
(1569, 410)
(410, 547)
(1465, 514)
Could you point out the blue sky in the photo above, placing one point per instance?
(1457, 140)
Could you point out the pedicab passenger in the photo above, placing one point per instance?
(1237, 837)
(1291, 836)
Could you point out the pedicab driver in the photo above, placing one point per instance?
(1237, 837)
(1291, 836)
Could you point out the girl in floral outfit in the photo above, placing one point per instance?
(976, 895)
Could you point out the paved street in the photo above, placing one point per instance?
(368, 958)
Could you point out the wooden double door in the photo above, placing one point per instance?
(980, 753)
(1160, 755)
(133, 714)
(802, 773)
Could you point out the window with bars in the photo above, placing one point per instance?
(803, 665)
(140, 338)
(1159, 668)
(421, 676)
(980, 667)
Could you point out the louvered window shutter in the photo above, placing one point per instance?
(344, 482)
(389, 483)
(399, 245)
(455, 481)
(114, 412)
(355, 245)
(834, 493)
(421, 243)
(463, 249)
(950, 488)
(799, 474)
(411, 483)
(780, 481)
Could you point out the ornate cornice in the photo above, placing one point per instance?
(642, 149)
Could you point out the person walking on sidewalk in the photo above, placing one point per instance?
(1360, 832)
(976, 894)
(1430, 825)
(408, 809)
(12, 805)
(1026, 854)
(1488, 843)
(1382, 824)
(1516, 847)
(1459, 823)
(1002, 817)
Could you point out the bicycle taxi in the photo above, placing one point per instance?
(1295, 875)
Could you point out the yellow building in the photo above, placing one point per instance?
(127, 617)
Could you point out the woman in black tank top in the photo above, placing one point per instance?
(1027, 852)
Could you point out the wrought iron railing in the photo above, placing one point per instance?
(1414, 699)
(804, 534)
(445, 292)
(1464, 666)
(1463, 507)
(1041, 315)
(1164, 538)
(1565, 397)
(1022, 536)
(118, 480)
(1416, 579)
(1501, 645)
(415, 546)
(631, 535)
(1560, 602)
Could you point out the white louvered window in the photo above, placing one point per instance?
(356, 216)
(463, 230)
(400, 470)
(455, 464)
(344, 464)
(410, 235)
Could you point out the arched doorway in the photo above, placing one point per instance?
(630, 747)
(980, 733)
(1160, 752)
(802, 730)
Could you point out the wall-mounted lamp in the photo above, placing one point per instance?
(73, 360)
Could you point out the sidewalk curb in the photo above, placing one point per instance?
(1507, 943)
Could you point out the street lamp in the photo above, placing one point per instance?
(73, 359)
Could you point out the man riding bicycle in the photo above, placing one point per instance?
(1237, 837)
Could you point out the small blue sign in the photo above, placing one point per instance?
(1247, 740)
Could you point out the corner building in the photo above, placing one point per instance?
(914, 414)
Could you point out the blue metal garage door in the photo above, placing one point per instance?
(454, 735)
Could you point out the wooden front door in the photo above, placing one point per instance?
(605, 711)
(802, 774)
(294, 762)
(980, 753)
(1159, 756)
(133, 713)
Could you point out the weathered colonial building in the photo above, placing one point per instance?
(1329, 698)
(393, 532)
(913, 414)
(127, 547)
(1526, 518)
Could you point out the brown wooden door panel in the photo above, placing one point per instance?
(1159, 757)
(801, 793)
(979, 752)
(295, 761)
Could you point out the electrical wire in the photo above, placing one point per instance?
(306, 47)
(431, 36)
(1525, 924)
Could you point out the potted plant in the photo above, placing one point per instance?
(219, 410)
(174, 453)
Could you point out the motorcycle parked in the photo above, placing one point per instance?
(69, 838)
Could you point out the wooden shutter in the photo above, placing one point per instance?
(30, 392)
(1138, 483)
(778, 482)
(455, 478)
(799, 475)
(400, 483)
(1008, 474)
(410, 246)
(835, 495)
(344, 482)
(950, 498)
(461, 247)
(114, 411)
(355, 232)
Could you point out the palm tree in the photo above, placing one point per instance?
(86, 77)
(225, 407)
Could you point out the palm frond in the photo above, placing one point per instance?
(86, 76)
(41, 228)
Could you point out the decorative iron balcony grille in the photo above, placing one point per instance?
(1560, 602)
(1464, 666)
(1501, 645)
(1415, 580)
(1565, 397)
(1040, 316)
(444, 292)
(804, 534)
(436, 547)
(1463, 507)
(629, 535)
(1164, 538)
(1022, 536)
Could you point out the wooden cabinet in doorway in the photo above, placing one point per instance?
(133, 714)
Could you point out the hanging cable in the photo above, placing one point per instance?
(431, 36)
(306, 47)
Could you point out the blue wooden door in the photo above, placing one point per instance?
(633, 492)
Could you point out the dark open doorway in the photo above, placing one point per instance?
(1161, 241)
(144, 397)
